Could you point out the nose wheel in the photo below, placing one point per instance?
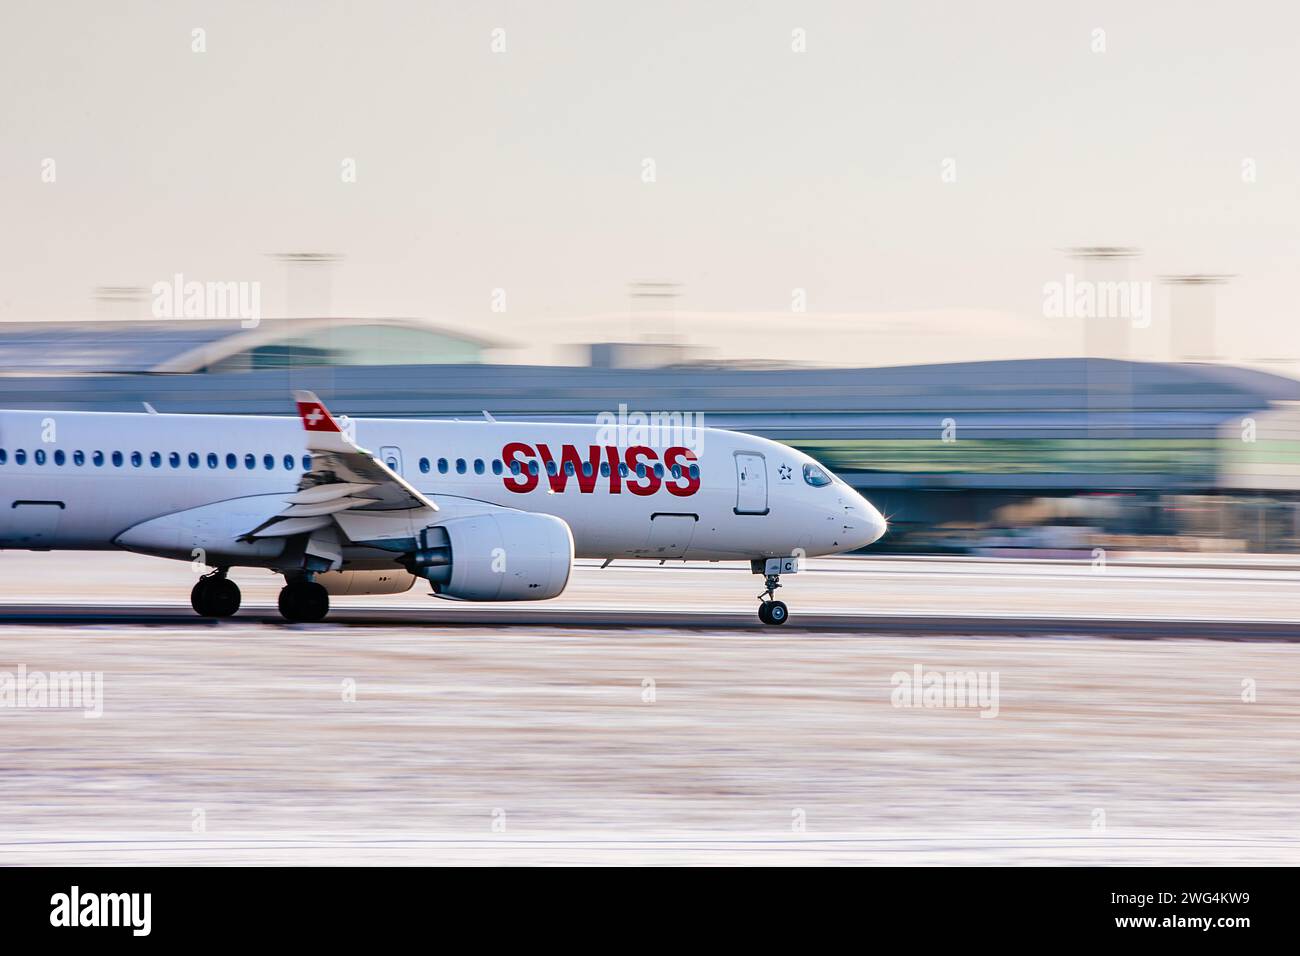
(771, 611)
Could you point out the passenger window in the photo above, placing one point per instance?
(193, 459)
(39, 456)
(604, 469)
(460, 466)
(174, 459)
(20, 457)
(551, 469)
(586, 468)
(622, 469)
(424, 466)
(250, 461)
(117, 459)
(155, 459)
(515, 468)
(659, 471)
(478, 466)
(268, 462)
(496, 466)
(640, 469)
(442, 466)
(677, 471)
(59, 457)
(695, 471)
(568, 468)
(533, 468)
(137, 459)
(306, 462)
(212, 459)
(97, 459)
(288, 462)
(4, 456)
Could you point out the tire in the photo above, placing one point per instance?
(763, 612)
(777, 612)
(304, 602)
(215, 597)
(222, 597)
(198, 597)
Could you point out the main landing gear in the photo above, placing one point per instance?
(215, 595)
(304, 602)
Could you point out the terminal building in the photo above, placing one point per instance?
(199, 346)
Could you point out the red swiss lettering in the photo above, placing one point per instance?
(682, 458)
(648, 483)
(525, 481)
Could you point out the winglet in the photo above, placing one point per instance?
(315, 416)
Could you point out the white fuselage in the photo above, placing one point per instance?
(82, 480)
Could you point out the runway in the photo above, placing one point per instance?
(444, 615)
(1147, 715)
(1234, 598)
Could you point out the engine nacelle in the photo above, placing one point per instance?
(345, 583)
(499, 556)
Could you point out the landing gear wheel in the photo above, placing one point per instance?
(773, 612)
(215, 596)
(304, 602)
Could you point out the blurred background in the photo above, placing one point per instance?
(1024, 276)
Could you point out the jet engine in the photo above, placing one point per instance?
(499, 556)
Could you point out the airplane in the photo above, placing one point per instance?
(481, 511)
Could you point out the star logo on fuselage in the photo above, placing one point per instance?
(785, 471)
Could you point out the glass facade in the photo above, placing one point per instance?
(356, 345)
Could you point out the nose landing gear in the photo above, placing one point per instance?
(215, 595)
(771, 611)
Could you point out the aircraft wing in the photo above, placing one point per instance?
(343, 478)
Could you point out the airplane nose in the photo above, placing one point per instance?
(874, 521)
(857, 523)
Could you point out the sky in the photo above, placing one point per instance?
(775, 169)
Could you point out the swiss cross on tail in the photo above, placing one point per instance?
(315, 416)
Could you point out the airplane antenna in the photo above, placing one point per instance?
(149, 408)
(488, 416)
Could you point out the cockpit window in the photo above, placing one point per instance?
(815, 476)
